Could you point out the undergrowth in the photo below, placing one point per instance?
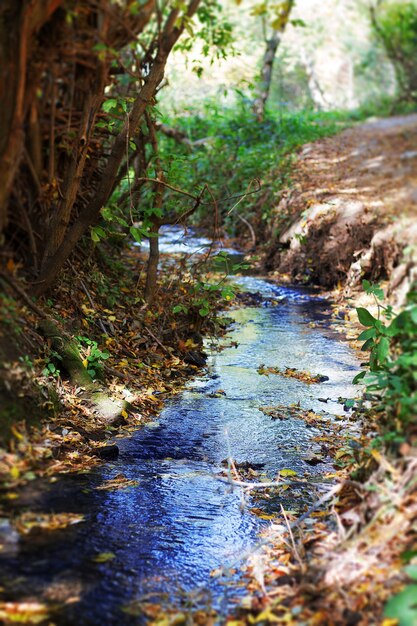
(235, 155)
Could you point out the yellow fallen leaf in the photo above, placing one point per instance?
(287, 472)
(104, 557)
(14, 472)
(341, 453)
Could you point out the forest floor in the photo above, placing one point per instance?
(351, 209)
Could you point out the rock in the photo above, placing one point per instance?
(198, 359)
(108, 453)
(107, 408)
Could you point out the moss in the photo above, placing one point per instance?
(68, 351)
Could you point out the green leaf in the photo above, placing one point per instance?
(358, 377)
(403, 607)
(109, 104)
(107, 214)
(382, 349)
(136, 234)
(407, 555)
(179, 308)
(100, 231)
(411, 571)
(413, 314)
(367, 334)
(368, 345)
(94, 236)
(365, 318)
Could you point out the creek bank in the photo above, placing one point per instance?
(350, 211)
(55, 418)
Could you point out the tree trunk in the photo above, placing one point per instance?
(18, 22)
(13, 44)
(316, 92)
(272, 45)
(152, 269)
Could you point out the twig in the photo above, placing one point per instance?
(29, 230)
(250, 228)
(114, 372)
(268, 485)
(145, 179)
(161, 345)
(90, 299)
(294, 547)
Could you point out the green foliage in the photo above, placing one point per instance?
(395, 23)
(213, 32)
(391, 374)
(51, 368)
(206, 296)
(235, 154)
(92, 356)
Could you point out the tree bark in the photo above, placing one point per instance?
(18, 22)
(272, 45)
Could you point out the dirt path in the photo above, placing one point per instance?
(352, 208)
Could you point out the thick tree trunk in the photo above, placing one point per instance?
(272, 45)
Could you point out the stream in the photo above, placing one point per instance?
(167, 534)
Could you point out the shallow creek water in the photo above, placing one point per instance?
(181, 522)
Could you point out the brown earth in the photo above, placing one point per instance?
(351, 210)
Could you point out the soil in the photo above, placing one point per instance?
(352, 209)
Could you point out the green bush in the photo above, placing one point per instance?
(395, 24)
(236, 154)
(391, 374)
